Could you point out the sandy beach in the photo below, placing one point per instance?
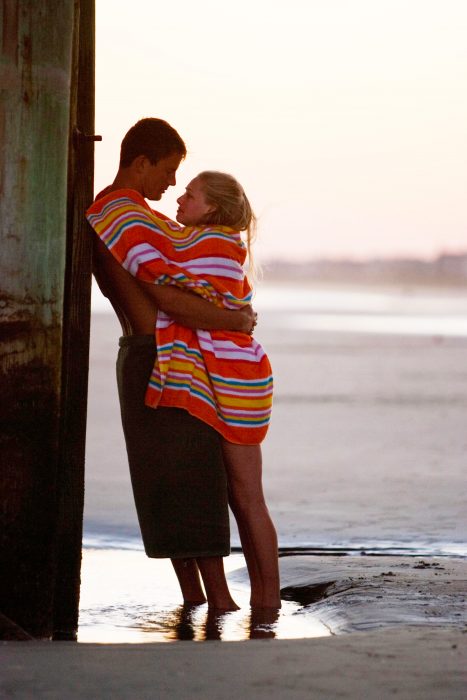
(411, 664)
(365, 478)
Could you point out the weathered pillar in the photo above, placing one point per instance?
(36, 85)
(76, 325)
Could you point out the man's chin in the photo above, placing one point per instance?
(153, 196)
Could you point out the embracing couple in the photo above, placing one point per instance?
(195, 388)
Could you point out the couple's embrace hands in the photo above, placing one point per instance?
(249, 319)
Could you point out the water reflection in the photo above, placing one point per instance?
(200, 623)
(263, 623)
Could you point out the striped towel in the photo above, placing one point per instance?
(224, 378)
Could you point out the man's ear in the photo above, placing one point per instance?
(139, 163)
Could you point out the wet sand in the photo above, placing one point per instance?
(361, 593)
(409, 664)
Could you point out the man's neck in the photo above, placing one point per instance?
(126, 180)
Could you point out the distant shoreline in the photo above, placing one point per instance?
(444, 271)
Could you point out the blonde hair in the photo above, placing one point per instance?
(232, 208)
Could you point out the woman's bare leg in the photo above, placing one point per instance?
(250, 557)
(256, 529)
(215, 583)
(188, 577)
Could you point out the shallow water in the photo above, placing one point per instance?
(128, 598)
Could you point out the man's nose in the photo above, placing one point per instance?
(172, 180)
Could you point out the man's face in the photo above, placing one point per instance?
(157, 178)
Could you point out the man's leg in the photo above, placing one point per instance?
(190, 583)
(178, 477)
(215, 583)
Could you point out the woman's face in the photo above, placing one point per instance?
(192, 206)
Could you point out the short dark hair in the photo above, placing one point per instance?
(153, 138)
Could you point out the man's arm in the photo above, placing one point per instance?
(192, 311)
(138, 300)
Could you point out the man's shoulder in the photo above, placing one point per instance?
(111, 193)
(117, 197)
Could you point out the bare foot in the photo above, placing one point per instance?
(223, 606)
(266, 603)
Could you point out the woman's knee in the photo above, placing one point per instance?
(247, 503)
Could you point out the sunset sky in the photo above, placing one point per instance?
(345, 120)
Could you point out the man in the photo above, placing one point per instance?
(175, 460)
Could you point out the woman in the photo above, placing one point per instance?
(224, 378)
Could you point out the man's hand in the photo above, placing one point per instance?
(247, 319)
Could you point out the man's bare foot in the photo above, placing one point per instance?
(223, 606)
(194, 603)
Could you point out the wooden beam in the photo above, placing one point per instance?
(76, 323)
(35, 358)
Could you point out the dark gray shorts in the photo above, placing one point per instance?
(177, 473)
